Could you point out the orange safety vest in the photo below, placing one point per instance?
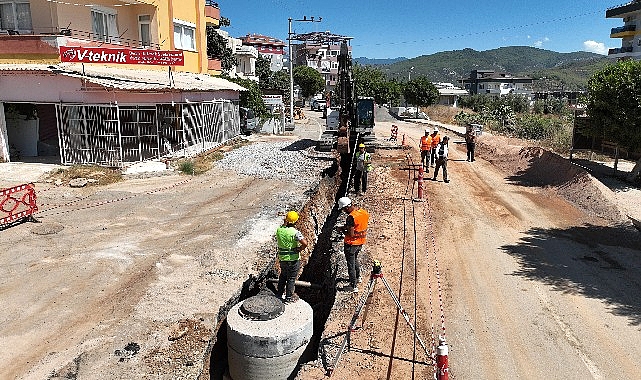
(361, 217)
(426, 142)
(435, 140)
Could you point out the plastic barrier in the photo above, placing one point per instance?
(17, 202)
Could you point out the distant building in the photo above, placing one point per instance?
(448, 94)
(268, 47)
(245, 57)
(630, 32)
(320, 50)
(491, 82)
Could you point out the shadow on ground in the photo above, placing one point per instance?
(595, 261)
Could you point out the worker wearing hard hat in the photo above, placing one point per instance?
(426, 149)
(436, 138)
(355, 230)
(363, 166)
(290, 244)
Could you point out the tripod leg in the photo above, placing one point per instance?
(405, 315)
(368, 303)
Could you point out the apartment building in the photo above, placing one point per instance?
(629, 33)
(497, 84)
(320, 50)
(270, 48)
(111, 82)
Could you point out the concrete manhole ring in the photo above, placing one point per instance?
(47, 229)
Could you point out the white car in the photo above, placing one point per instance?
(317, 105)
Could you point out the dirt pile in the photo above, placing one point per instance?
(537, 167)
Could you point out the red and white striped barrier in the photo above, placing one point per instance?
(442, 369)
(17, 202)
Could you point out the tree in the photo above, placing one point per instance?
(309, 80)
(263, 71)
(371, 81)
(217, 48)
(613, 105)
(253, 97)
(420, 92)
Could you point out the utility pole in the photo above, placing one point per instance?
(291, 63)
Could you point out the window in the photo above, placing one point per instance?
(144, 30)
(184, 35)
(15, 15)
(104, 24)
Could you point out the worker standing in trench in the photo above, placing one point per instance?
(291, 243)
(355, 230)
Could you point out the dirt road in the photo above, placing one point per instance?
(533, 286)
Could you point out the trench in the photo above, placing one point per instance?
(318, 217)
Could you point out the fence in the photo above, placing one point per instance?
(115, 135)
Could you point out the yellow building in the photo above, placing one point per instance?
(111, 81)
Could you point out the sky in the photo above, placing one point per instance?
(411, 28)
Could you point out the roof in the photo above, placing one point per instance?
(452, 91)
(123, 79)
(259, 39)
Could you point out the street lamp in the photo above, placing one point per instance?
(291, 64)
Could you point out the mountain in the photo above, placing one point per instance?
(551, 70)
(374, 61)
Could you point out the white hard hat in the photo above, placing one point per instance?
(427, 130)
(435, 129)
(344, 202)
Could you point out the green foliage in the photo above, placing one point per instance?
(552, 106)
(371, 81)
(464, 118)
(263, 71)
(552, 70)
(420, 92)
(614, 103)
(309, 80)
(186, 167)
(217, 48)
(252, 98)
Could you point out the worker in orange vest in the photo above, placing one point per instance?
(355, 230)
(436, 138)
(426, 149)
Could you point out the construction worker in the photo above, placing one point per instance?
(355, 230)
(426, 149)
(442, 152)
(470, 142)
(363, 165)
(290, 244)
(436, 138)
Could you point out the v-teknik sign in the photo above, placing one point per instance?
(122, 56)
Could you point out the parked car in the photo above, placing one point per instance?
(248, 121)
(317, 105)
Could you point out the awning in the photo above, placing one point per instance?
(137, 80)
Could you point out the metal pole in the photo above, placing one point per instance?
(291, 74)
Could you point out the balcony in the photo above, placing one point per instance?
(623, 10)
(621, 50)
(623, 31)
(212, 12)
(46, 45)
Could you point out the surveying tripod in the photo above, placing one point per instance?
(377, 273)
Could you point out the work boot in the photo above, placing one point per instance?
(291, 299)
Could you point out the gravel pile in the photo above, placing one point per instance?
(297, 161)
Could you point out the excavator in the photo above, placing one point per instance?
(353, 120)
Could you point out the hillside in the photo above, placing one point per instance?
(552, 70)
(378, 61)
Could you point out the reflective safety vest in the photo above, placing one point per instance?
(286, 238)
(366, 157)
(361, 218)
(435, 140)
(426, 142)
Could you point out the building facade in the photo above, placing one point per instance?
(111, 82)
(630, 32)
(320, 50)
(494, 83)
(270, 48)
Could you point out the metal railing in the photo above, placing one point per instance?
(625, 28)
